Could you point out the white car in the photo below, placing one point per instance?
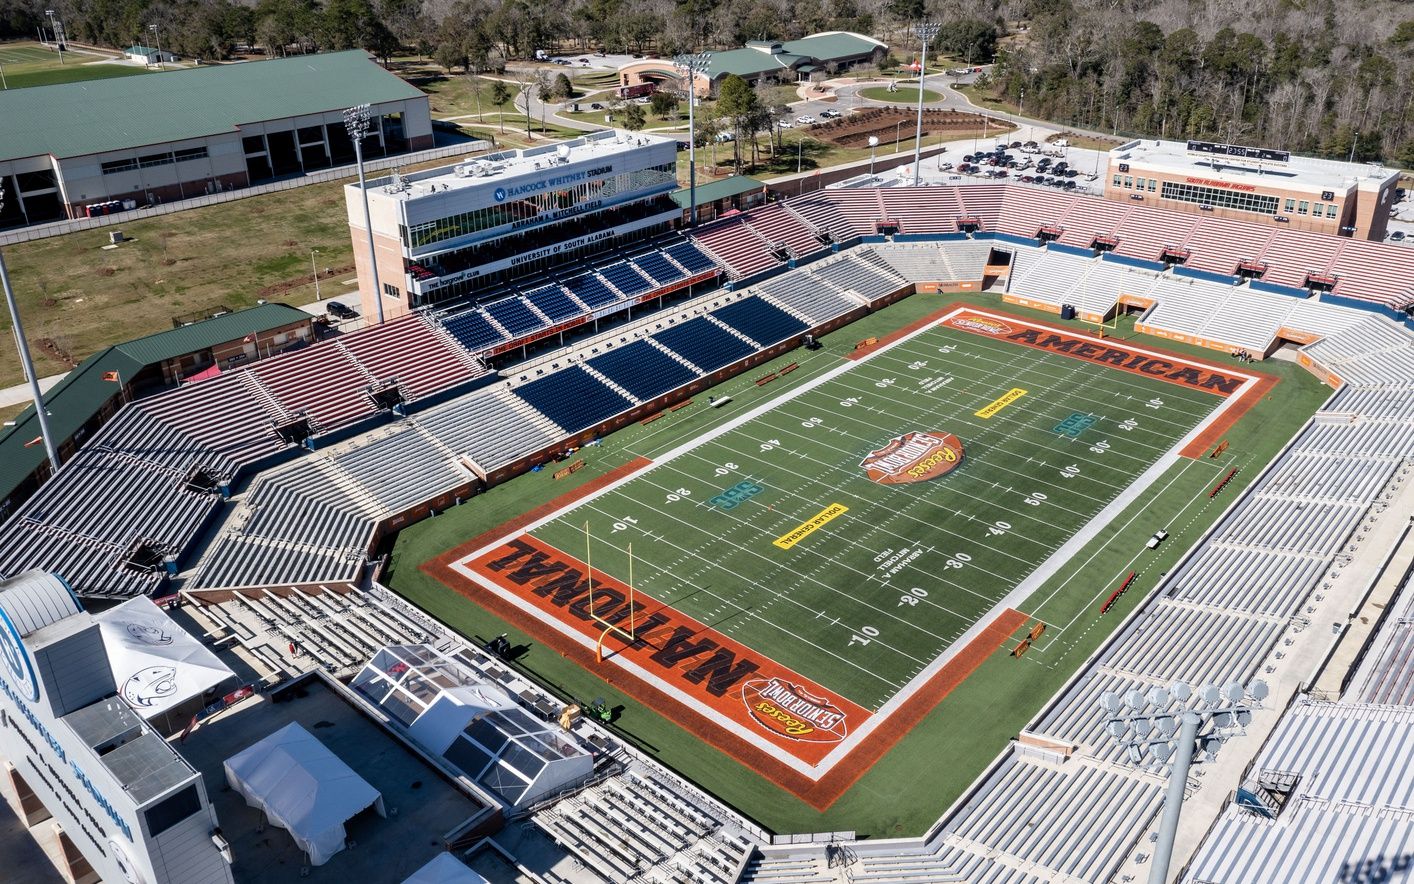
(784, 124)
(805, 120)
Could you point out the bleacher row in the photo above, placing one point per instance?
(568, 297)
(1227, 613)
(145, 485)
(640, 828)
(752, 242)
(1371, 271)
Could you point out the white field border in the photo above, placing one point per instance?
(1013, 599)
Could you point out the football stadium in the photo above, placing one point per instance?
(884, 533)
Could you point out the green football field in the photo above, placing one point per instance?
(30, 64)
(865, 601)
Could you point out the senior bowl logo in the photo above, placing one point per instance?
(981, 324)
(914, 457)
(790, 711)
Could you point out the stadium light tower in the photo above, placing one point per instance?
(56, 28)
(1162, 724)
(358, 121)
(688, 66)
(156, 32)
(926, 31)
(25, 361)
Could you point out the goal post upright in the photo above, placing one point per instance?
(631, 635)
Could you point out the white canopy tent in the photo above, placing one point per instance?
(303, 787)
(156, 664)
(445, 869)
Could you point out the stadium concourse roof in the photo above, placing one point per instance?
(83, 392)
(94, 116)
(712, 191)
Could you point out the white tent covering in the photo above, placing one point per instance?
(303, 787)
(156, 663)
(445, 869)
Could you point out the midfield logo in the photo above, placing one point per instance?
(914, 457)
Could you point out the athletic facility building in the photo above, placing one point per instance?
(458, 230)
(810, 58)
(102, 146)
(1255, 184)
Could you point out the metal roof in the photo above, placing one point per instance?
(94, 116)
(820, 49)
(716, 190)
(83, 391)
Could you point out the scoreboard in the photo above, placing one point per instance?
(1239, 153)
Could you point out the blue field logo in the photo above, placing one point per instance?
(17, 665)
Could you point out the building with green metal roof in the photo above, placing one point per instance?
(809, 58)
(74, 149)
(91, 393)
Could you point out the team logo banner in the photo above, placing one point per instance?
(914, 457)
(983, 324)
(794, 712)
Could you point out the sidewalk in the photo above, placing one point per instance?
(19, 393)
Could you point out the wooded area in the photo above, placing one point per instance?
(1328, 77)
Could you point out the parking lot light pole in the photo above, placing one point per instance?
(25, 361)
(357, 120)
(927, 32)
(315, 267)
(873, 143)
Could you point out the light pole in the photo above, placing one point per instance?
(926, 32)
(1141, 721)
(3, 83)
(688, 65)
(898, 134)
(57, 29)
(873, 143)
(358, 120)
(315, 267)
(26, 362)
(799, 147)
(158, 34)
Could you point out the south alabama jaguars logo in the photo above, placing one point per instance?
(148, 635)
(146, 687)
(18, 669)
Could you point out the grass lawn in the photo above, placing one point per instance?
(30, 64)
(456, 96)
(916, 780)
(985, 99)
(82, 297)
(904, 95)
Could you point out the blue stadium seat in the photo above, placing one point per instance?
(655, 265)
(707, 346)
(642, 369)
(473, 330)
(762, 322)
(589, 289)
(624, 278)
(573, 398)
(691, 257)
(514, 316)
(554, 303)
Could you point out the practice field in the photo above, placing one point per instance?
(829, 564)
(30, 64)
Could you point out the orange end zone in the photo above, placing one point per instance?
(672, 633)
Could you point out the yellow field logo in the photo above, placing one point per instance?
(813, 524)
(791, 711)
(1000, 402)
(914, 457)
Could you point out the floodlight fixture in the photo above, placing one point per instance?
(358, 121)
(927, 32)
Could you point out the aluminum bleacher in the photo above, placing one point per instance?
(491, 426)
(690, 257)
(552, 301)
(1146, 232)
(590, 288)
(846, 214)
(625, 278)
(409, 350)
(573, 398)
(1291, 254)
(1218, 244)
(658, 268)
(514, 316)
(804, 294)
(919, 209)
(1089, 218)
(643, 370)
(761, 322)
(473, 330)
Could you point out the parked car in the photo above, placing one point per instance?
(805, 120)
(1397, 236)
(340, 311)
(784, 124)
(1027, 179)
(596, 106)
(945, 167)
(830, 114)
(584, 61)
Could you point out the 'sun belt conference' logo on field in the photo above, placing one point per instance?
(791, 711)
(914, 457)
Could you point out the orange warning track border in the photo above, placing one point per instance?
(819, 794)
